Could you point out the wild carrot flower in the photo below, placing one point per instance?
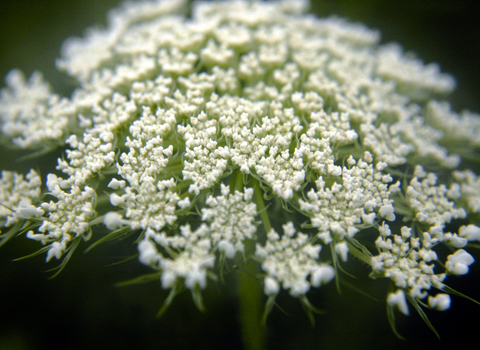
(249, 132)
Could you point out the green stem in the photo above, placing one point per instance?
(251, 309)
(261, 207)
(236, 182)
(249, 287)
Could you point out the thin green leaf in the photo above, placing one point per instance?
(155, 276)
(18, 229)
(97, 220)
(4, 238)
(67, 257)
(268, 308)
(128, 258)
(310, 309)
(221, 265)
(308, 304)
(391, 320)
(41, 152)
(281, 309)
(422, 314)
(243, 269)
(167, 302)
(337, 267)
(453, 291)
(359, 250)
(111, 236)
(198, 299)
(356, 289)
(211, 275)
(38, 252)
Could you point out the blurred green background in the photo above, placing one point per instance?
(82, 309)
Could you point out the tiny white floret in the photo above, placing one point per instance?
(470, 232)
(271, 286)
(440, 302)
(341, 249)
(113, 220)
(28, 211)
(458, 262)
(399, 301)
(322, 275)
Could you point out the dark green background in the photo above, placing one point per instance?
(82, 309)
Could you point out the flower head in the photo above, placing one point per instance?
(215, 137)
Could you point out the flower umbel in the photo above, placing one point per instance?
(215, 139)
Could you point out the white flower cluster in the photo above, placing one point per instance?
(30, 114)
(171, 111)
(208, 162)
(340, 209)
(191, 256)
(149, 203)
(227, 223)
(457, 128)
(289, 261)
(18, 194)
(409, 258)
(231, 218)
(263, 148)
(68, 217)
(468, 189)
(430, 202)
(70, 214)
(412, 77)
(407, 261)
(82, 57)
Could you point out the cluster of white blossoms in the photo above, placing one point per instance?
(340, 210)
(205, 135)
(227, 223)
(17, 195)
(409, 258)
(290, 261)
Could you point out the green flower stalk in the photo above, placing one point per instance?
(249, 137)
